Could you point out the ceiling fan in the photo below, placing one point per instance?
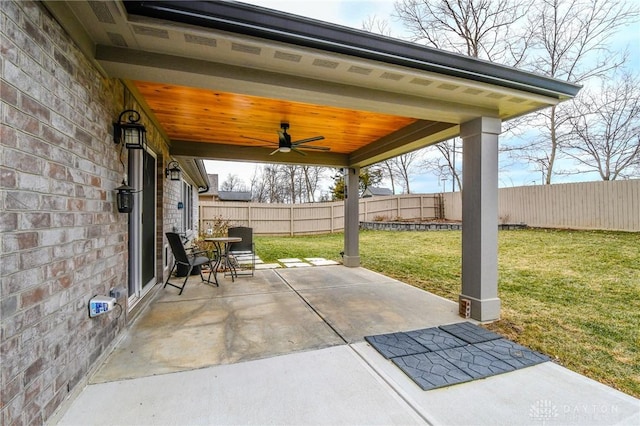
(285, 144)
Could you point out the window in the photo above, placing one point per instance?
(187, 210)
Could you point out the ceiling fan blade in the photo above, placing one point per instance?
(259, 140)
(298, 151)
(319, 148)
(313, 139)
(277, 150)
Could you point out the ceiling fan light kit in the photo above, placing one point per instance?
(285, 145)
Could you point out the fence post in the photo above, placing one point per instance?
(291, 220)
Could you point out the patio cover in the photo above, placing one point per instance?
(218, 78)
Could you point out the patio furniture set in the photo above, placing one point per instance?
(239, 242)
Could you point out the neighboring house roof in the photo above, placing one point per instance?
(234, 196)
(374, 191)
(213, 186)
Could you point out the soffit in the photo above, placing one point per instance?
(183, 71)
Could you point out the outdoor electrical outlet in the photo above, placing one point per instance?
(98, 305)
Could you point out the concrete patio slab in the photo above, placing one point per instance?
(271, 349)
(268, 266)
(328, 276)
(177, 335)
(544, 394)
(360, 310)
(264, 282)
(331, 386)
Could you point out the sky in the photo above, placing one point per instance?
(353, 13)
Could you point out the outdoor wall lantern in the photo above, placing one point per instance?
(124, 198)
(131, 132)
(173, 170)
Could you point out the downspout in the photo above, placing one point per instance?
(205, 177)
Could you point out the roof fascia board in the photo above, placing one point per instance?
(292, 29)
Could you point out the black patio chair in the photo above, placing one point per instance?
(190, 261)
(243, 249)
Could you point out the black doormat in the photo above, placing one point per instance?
(452, 354)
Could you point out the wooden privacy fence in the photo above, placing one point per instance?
(613, 205)
(317, 218)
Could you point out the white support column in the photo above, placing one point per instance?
(480, 217)
(351, 218)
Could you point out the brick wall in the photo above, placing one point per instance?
(62, 239)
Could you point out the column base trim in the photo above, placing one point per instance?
(483, 309)
(351, 261)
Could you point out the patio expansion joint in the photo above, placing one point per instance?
(386, 379)
(314, 310)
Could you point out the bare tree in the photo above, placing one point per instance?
(286, 183)
(266, 185)
(564, 39)
(312, 177)
(373, 24)
(569, 41)
(402, 167)
(233, 183)
(449, 151)
(388, 172)
(480, 28)
(606, 128)
(445, 165)
(258, 186)
(487, 29)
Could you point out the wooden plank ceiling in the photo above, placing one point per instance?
(206, 116)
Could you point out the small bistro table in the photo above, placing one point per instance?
(223, 245)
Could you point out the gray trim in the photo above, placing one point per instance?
(204, 183)
(287, 28)
(194, 169)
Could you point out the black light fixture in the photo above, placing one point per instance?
(124, 198)
(173, 170)
(131, 132)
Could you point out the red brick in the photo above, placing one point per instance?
(8, 136)
(35, 221)
(22, 121)
(8, 93)
(64, 282)
(35, 296)
(8, 221)
(27, 240)
(7, 178)
(56, 171)
(10, 390)
(34, 370)
(35, 108)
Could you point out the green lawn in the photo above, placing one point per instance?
(573, 295)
